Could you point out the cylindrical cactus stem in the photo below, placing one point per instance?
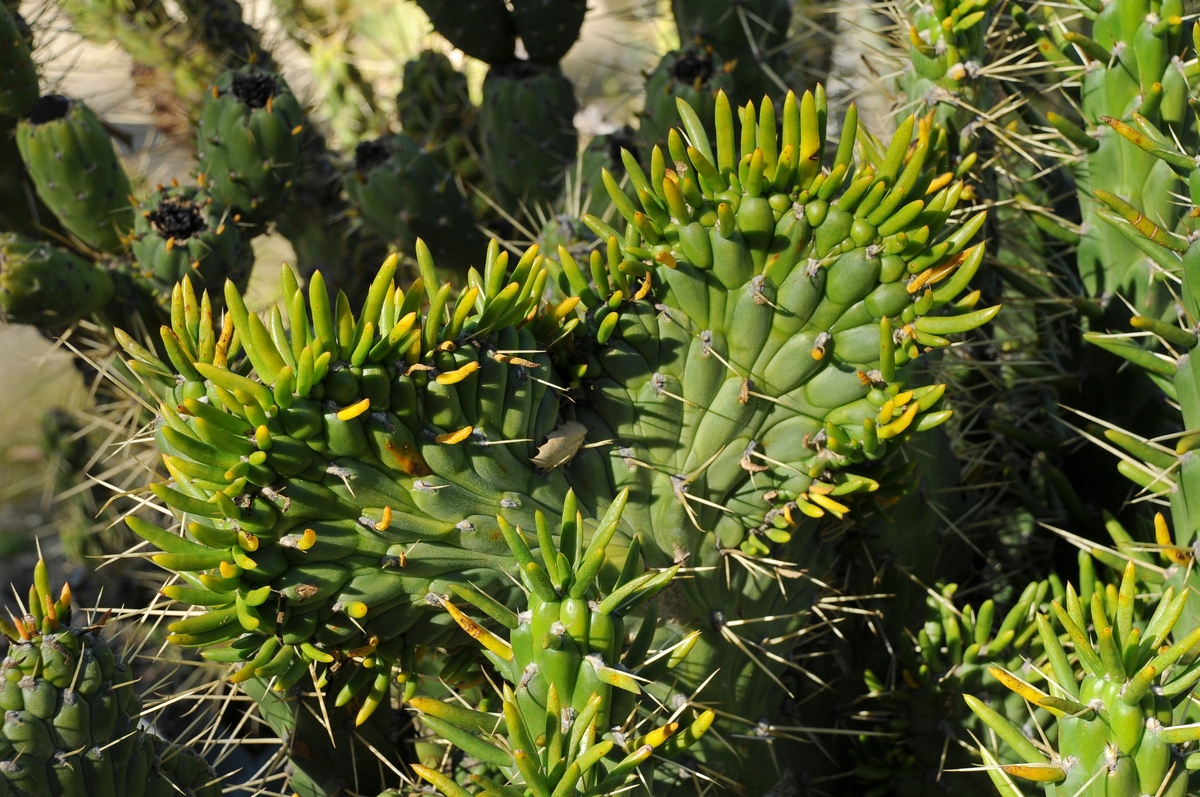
(403, 194)
(45, 285)
(180, 231)
(18, 75)
(70, 723)
(527, 127)
(249, 142)
(787, 301)
(1116, 704)
(74, 165)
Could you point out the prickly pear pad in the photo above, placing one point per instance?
(482, 29)
(43, 284)
(548, 28)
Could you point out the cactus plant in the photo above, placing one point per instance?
(46, 285)
(357, 430)
(180, 232)
(403, 193)
(1115, 706)
(248, 142)
(527, 130)
(567, 668)
(744, 347)
(17, 71)
(70, 712)
(75, 167)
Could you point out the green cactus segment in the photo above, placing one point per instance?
(482, 29)
(434, 100)
(548, 28)
(790, 298)
(44, 285)
(952, 653)
(248, 142)
(947, 49)
(181, 232)
(1130, 72)
(434, 107)
(1169, 471)
(18, 76)
(527, 128)
(695, 75)
(571, 676)
(744, 350)
(78, 175)
(404, 194)
(23, 210)
(349, 464)
(70, 715)
(750, 34)
(1115, 704)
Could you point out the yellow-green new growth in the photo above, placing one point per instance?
(1116, 703)
(70, 714)
(570, 674)
(347, 464)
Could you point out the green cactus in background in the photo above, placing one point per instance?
(548, 28)
(695, 75)
(18, 75)
(749, 34)
(70, 714)
(403, 194)
(1128, 67)
(1115, 706)
(527, 130)
(180, 233)
(78, 175)
(48, 286)
(434, 100)
(248, 143)
(483, 29)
